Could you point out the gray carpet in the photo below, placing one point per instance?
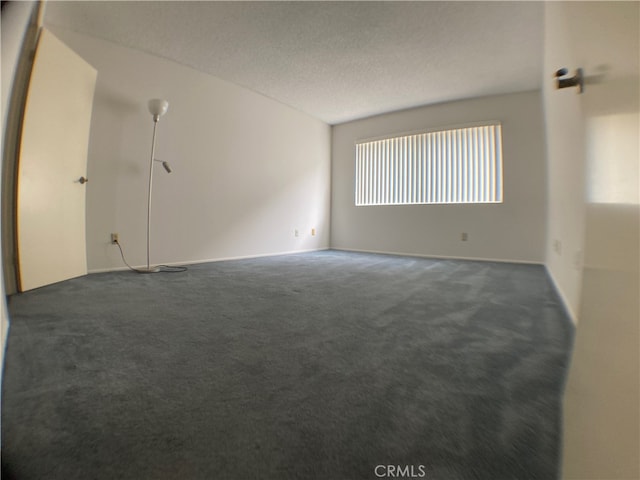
(310, 366)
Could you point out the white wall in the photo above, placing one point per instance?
(247, 171)
(594, 191)
(566, 167)
(513, 230)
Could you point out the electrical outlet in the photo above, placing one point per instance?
(464, 236)
(296, 232)
(114, 238)
(313, 232)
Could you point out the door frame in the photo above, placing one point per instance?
(11, 147)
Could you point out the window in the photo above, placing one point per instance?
(462, 165)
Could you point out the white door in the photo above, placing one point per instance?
(53, 158)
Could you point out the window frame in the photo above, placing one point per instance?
(431, 167)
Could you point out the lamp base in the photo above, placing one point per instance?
(148, 270)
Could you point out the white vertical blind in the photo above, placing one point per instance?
(462, 165)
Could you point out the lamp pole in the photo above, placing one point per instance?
(157, 108)
(153, 152)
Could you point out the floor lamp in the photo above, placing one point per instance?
(157, 108)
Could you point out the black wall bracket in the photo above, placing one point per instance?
(576, 81)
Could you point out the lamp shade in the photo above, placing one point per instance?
(158, 107)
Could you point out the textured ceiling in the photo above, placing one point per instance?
(337, 61)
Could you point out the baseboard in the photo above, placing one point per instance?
(440, 257)
(563, 299)
(209, 260)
